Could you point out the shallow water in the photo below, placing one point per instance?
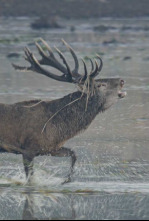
(111, 179)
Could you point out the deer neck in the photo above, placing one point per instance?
(87, 109)
(77, 111)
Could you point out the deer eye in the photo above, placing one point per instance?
(102, 85)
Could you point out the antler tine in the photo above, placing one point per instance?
(69, 74)
(85, 70)
(48, 48)
(52, 61)
(27, 58)
(92, 64)
(21, 68)
(27, 54)
(41, 51)
(101, 62)
(95, 72)
(76, 69)
(36, 67)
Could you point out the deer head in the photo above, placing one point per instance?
(108, 88)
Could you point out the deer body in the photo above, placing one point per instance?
(25, 123)
(34, 128)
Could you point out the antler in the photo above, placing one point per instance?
(50, 60)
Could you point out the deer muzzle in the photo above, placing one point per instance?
(122, 94)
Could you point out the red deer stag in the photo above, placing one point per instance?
(37, 127)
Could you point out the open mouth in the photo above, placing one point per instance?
(121, 94)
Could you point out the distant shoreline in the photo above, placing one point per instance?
(75, 8)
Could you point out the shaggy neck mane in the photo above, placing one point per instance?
(73, 113)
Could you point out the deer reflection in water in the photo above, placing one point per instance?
(29, 214)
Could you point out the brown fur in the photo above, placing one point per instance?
(22, 123)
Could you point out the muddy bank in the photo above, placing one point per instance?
(75, 8)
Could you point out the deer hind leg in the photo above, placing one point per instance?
(28, 167)
(65, 152)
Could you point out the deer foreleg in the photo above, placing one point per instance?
(28, 167)
(5, 147)
(65, 152)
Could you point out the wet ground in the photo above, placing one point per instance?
(111, 179)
